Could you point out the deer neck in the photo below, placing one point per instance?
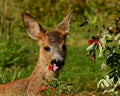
(41, 70)
(39, 76)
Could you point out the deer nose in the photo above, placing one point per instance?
(58, 62)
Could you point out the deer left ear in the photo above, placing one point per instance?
(33, 28)
(65, 23)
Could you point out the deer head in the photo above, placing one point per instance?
(52, 43)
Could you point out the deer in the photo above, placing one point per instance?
(51, 57)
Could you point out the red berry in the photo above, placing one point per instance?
(50, 67)
(90, 42)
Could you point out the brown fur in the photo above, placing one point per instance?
(52, 49)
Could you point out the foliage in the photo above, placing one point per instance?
(57, 88)
(109, 41)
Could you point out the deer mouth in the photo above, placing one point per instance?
(56, 66)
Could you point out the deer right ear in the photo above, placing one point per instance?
(65, 23)
(33, 28)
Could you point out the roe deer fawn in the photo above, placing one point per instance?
(51, 58)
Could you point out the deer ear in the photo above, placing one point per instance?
(65, 23)
(33, 28)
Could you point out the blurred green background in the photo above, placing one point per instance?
(19, 53)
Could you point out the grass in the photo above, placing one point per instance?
(18, 53)
(80, 71)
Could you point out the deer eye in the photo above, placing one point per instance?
(64, 47)
(47, 48)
